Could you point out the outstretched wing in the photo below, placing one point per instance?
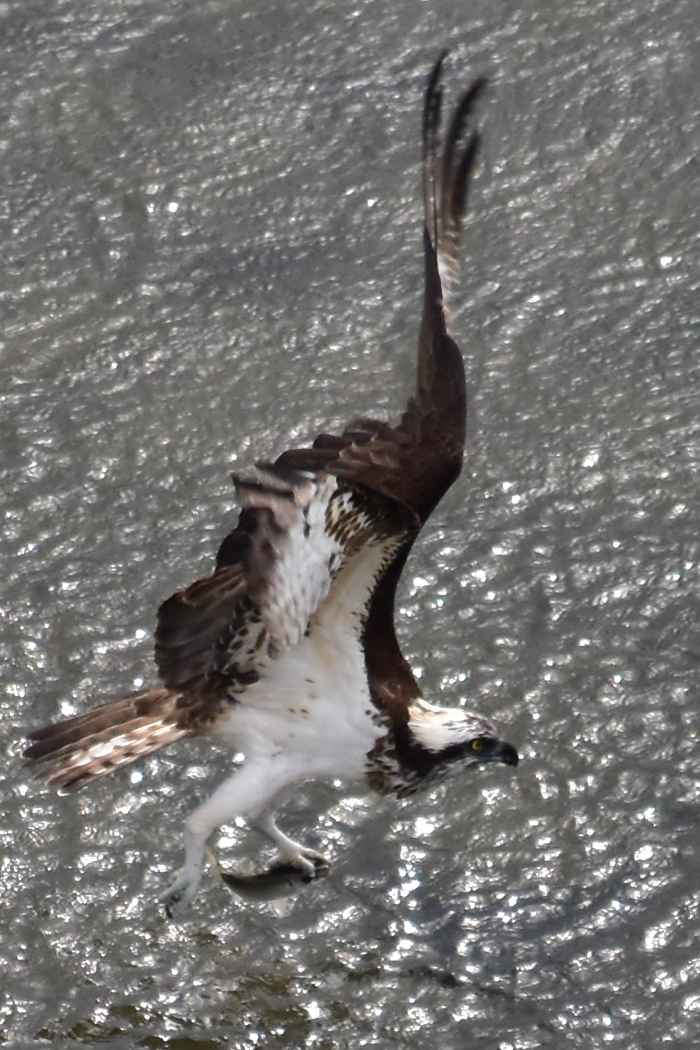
(416, 461)
(307, 516)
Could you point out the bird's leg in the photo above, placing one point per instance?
(308, 860)
(239, 796)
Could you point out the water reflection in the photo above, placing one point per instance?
(146, 348)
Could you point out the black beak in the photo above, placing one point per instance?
(505, 753)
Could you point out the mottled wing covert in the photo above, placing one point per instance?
(295, 533)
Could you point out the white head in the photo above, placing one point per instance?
(458, 735)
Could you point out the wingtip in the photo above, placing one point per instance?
(433, 99)
(438, 64)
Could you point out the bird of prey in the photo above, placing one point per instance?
(288, 651)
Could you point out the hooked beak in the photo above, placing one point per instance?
(505, 753)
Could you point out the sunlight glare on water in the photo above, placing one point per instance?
(211, 251)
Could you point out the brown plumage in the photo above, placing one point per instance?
(87, 747)
(301, 603)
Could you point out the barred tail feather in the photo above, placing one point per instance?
(86, 747)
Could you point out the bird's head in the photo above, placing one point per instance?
(455, 735)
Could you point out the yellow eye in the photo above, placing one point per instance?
(477, 745)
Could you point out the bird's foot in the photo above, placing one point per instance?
(311, 864)
(180, 894)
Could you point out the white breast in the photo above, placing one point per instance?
(312, 706)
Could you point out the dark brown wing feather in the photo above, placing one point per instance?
(191, 624)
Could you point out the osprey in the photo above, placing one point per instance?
(288, 651)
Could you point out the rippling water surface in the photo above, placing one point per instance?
(211, 248)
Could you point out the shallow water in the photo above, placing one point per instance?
(211, 242)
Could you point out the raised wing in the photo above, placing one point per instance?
(315, 509)
(416, 461)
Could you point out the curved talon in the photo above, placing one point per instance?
(321, 869)
(179, 895)
(170, 905)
